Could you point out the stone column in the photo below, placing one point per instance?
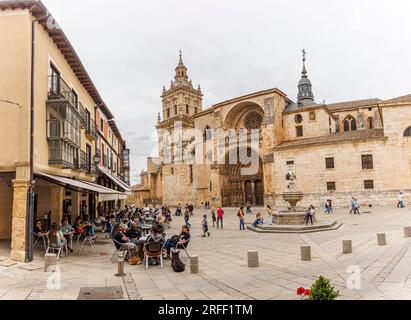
(194, 264)
(407, 232)
(75, 204)
(252, 258)
(18, 231)
(381, 240)
(56, 203)
(253, 192)
(347, 246)
(305, 253)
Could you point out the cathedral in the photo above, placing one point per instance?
(335, 151)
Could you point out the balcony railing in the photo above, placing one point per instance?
(91, 129)
(86, 164)
(62, 154)
(64, 130)
(83, 115)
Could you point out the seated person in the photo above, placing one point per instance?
(121, 238)
(178, 241)
(259, 220)
(156, 237)
(38, 229)
(88, 228)
(134, 233)
(78, 227)
(56, 237)
(68, 232)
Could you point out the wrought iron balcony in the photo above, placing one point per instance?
(91, 129)
(86, 164)
(83, 115)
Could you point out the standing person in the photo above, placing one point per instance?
(240, 215)
(187, 217)
(309, 215)
(400, 200)
(204, 225)
(330, 206)
(220, 215)
(356, 206)
(327, 206)
(270, 215)
(352, 205)
(248, 206)
(191, 209)
(213, 217)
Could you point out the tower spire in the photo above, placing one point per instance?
(181, 70)
(304, 85)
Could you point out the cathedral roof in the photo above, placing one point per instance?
(355, 104)
(402, 99)
(337, 137)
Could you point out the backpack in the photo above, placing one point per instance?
(176, 263)
(238, 213)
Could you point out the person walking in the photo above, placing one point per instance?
(400, 200)
(187, 217)
(309, 215)
(220, 215)
(352, 205)
(327, 206)
(213, 217)
(356, 206)
(270, 215)
(204, 225)
(240, 215)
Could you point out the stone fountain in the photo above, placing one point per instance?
(291, 220)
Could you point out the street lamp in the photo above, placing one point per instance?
(97, 158)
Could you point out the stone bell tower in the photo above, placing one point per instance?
(181, 101)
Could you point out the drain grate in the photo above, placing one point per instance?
(101, 293)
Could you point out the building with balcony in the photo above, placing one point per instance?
(52, 156)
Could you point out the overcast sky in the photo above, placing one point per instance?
(356, 49)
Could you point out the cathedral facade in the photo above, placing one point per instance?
(335, 151)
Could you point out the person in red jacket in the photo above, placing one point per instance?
(220, 215)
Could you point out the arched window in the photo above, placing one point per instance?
(370, 123)
(350, 124)
(407, 132)
(175, 110)
(168, 113)
(187, 109)
(207, 133)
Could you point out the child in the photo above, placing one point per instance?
(204, 224)
(213, 216)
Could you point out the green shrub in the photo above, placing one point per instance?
(323, 290)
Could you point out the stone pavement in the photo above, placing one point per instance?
(224, 274)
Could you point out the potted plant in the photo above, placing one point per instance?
(320, 290)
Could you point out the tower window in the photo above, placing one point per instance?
(370, 123)
(168, 113)
(299, 131)
(350, 124)
(329, 163)
(407, 132)
(175, 110)
(187, 109)
(331, 186)
(190, 173)
(368, 184)
(298, 118)
(367, 162)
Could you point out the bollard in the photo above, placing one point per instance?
(347, 246)
(305, 253)
(381, 239)
(50, 259)
(407, 232)
(252, 257)
(194, 264)
(120, 266)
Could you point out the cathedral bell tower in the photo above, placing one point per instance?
(181, 101)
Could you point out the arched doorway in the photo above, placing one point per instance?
(238, 188)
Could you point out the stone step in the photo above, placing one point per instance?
(296, 229)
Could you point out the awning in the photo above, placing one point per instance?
(116, 180)
(104, 194)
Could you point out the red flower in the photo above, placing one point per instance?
(307, 292)
(301, 291)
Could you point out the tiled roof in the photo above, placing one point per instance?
(357, 135)
(402, 99)
(333, 107)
